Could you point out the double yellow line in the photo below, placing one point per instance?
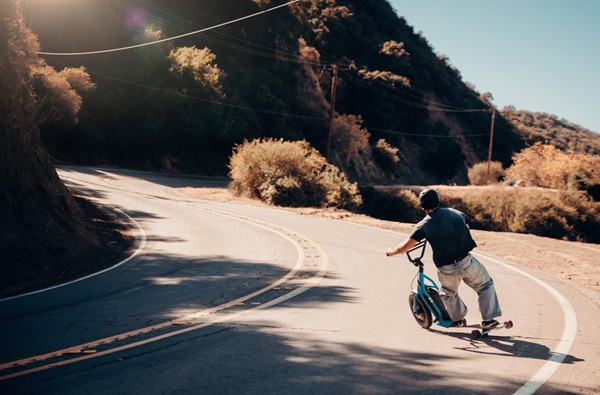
(312, 266)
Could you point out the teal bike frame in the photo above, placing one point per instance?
(427, 293)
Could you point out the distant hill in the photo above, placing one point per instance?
(546, 128)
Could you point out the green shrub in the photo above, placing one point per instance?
(291, 174)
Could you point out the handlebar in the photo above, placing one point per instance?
(417, 260)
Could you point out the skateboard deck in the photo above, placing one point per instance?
(475, 334)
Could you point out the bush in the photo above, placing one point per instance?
(383, 203)
(291, 174)
(385, 155)
(568, 215)
(545, 166)
(478, 174)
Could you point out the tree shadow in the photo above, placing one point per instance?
(244, 356)
(149, 290)
(262, 359)
(82, 191)
(167, 180)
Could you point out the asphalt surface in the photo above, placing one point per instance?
(224, 298)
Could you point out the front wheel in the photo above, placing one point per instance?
(422, 314)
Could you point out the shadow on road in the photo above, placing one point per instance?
(260, 359)
(507, 346)
(240, 357)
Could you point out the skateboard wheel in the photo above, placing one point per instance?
(475, 334)
(508, 324)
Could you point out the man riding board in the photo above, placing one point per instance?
(447, 231)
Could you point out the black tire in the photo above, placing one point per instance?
(422, 315)
(437, 300)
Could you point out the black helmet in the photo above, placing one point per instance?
(429, 199)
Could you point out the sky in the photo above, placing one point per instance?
(536, 55)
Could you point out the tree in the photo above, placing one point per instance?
(58, 93)
(198, 65)
(546, 166)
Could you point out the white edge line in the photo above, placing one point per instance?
(569, 329)
(566, 341)
(275, 229)
(542, 375)
(142, 235)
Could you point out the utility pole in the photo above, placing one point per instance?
(489, 161)
(331, 109)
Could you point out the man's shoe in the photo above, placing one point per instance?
(487, 325)
(460, 323)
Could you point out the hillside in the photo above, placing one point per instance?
(267, 76)
(542, 127)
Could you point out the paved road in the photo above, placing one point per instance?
(239, 298)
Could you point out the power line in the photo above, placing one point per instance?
(288, 57)
(292, 58)
(238, 107)
(234, 106)
(437, 106)
(167, 39)
(175, 93)
(425, 135)
(273, 53)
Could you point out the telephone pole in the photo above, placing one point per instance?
(331, 109)
(489, 160)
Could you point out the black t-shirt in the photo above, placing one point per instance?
(447, 232)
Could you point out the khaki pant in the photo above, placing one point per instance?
(476, 276)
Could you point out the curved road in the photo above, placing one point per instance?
(239, 298)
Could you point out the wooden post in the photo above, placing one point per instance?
(331, 110)
(489, 160)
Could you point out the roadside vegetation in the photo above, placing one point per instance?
(560, 202)
(545, 192)
(566, 215)
(290, 174)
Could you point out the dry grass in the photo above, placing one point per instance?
(567, 215)
(291, 174)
